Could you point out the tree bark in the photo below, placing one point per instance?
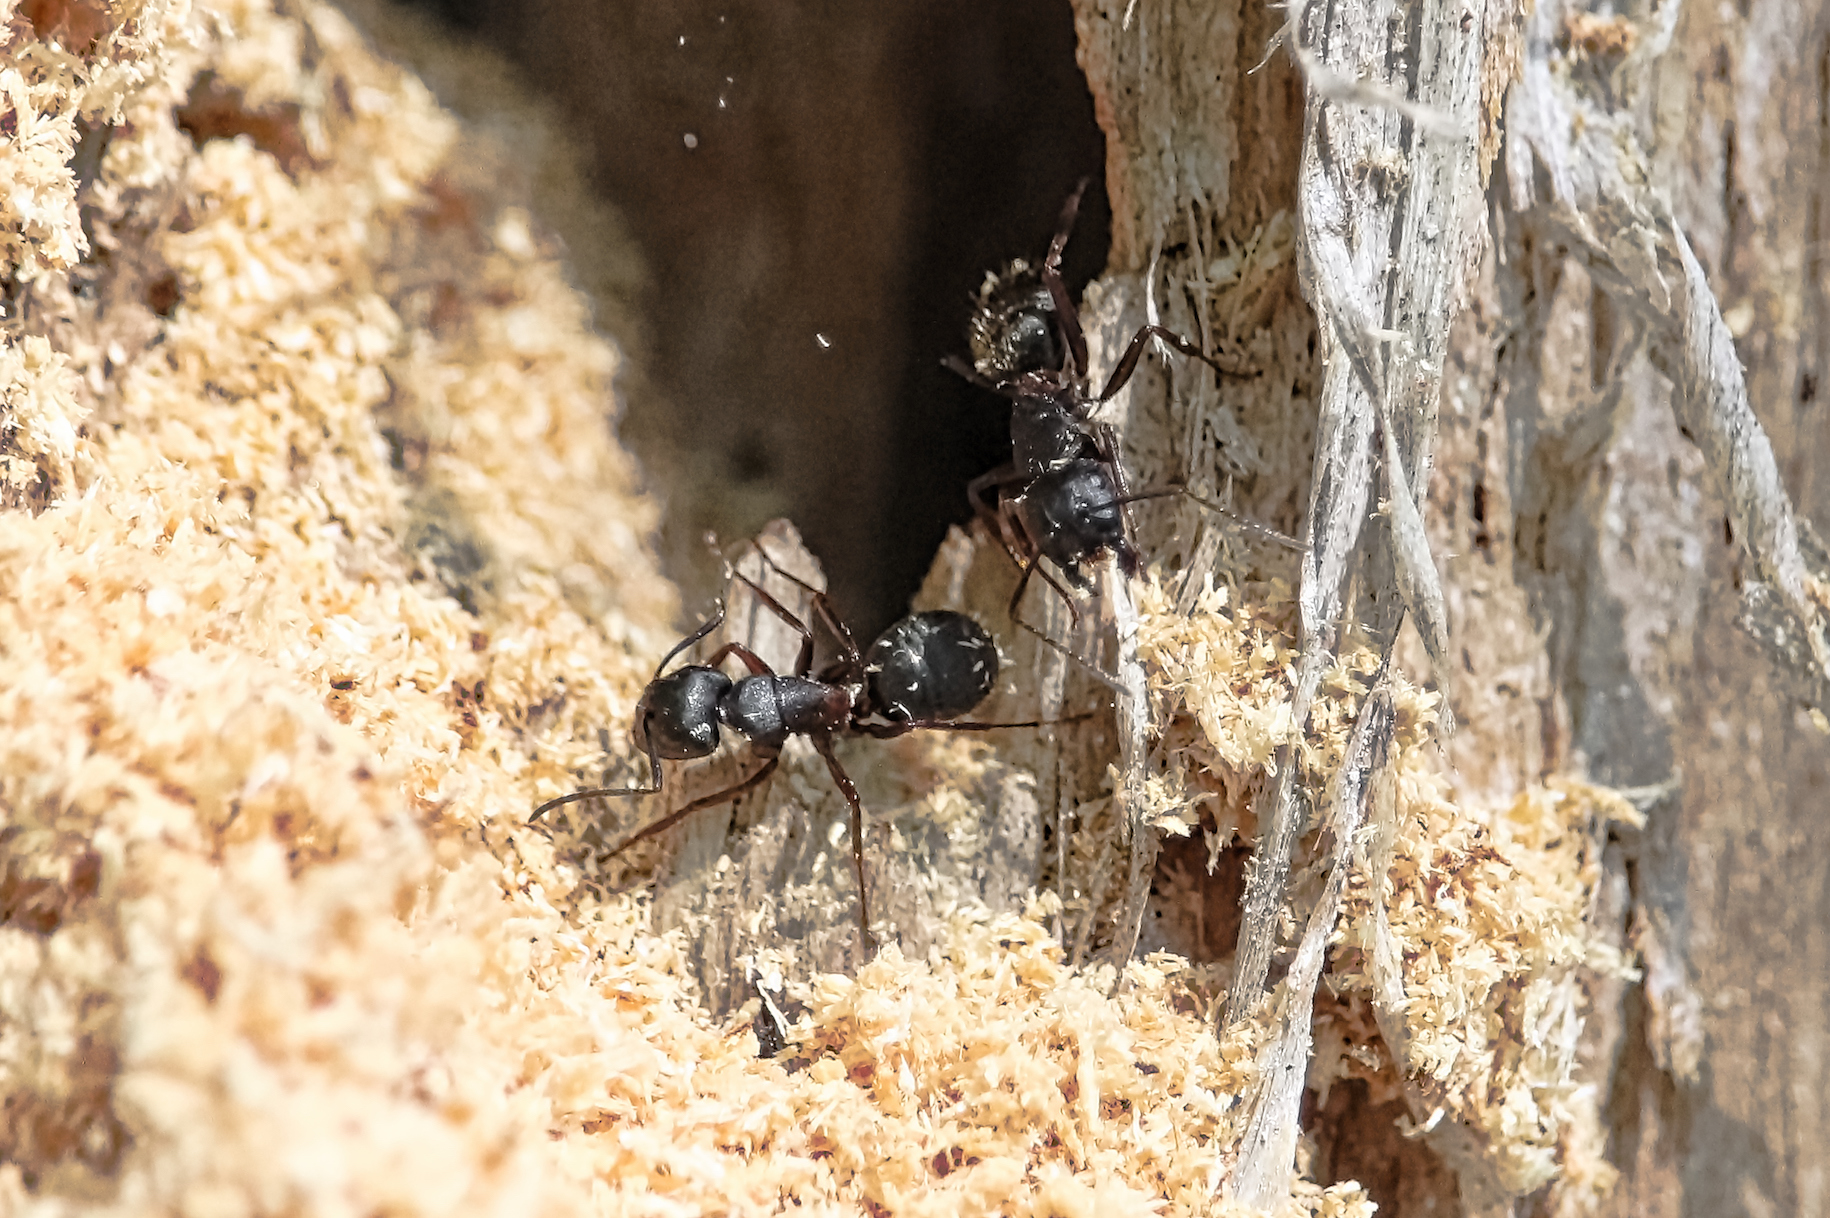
(1632, 597)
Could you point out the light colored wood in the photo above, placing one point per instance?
(1593, 560)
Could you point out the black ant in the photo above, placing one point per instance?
(1069, 488)
(923, 672)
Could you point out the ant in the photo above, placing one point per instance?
(1070, 492)
(928, 667)
(1012, 332)
(925, 671)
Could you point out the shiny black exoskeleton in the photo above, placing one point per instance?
(1062, 494)
(1027, 345)
(1073, 512)
(1012, 327)
(677, 718)
(923, 672)
(680, 714)
(930, 666)
(1047, 429)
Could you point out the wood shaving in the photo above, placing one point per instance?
(1485, 908)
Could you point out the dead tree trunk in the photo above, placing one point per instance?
(1608, 439)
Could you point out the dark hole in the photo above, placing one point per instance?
(75, 24)
(1357, 1139)
(216, 111)
(203, 973)
(31, 904)
(91, 145)
(750, 459)
(85, 875)
(852, 173)
(1204, 926)
(162, 294)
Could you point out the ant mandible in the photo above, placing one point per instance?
(925, 671)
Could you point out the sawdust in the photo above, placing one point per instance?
(1488, 908)
(321, 568)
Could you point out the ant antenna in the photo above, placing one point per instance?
(1244, 524)
(654, 766)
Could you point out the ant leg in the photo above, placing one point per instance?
(1006, 525)
(1244, 524)
(1064, 226)
(1105, 439)
(1065, 312)
(1004, 475)
(756, 664)
(1022, 553)
(1127, 363)
(822, 605)
(1030, 566)
(654, 778)
(708, 801)
(1101, 675)
(1067, 598)
(842, 780)
(1028, 561)
(960, 368)
(1024, 567)
(804, 661)
(889, 731)
(1105, 443)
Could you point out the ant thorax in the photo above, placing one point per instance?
(1046, 427)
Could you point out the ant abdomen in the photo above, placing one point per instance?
(1073, 513)
(931, 666)
(1012, 330)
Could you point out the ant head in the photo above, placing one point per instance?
(1029, 341)
(1012, 328)
(677, 718)
(931, 666)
